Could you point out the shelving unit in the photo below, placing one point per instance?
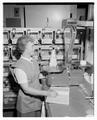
(44, 39)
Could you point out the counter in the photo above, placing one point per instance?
(79, 105)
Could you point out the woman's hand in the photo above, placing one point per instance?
(52, 93)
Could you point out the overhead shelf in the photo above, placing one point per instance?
(85, 23)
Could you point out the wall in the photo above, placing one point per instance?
(81, 12)
(36, 15)
(8, 12)
(91, 12)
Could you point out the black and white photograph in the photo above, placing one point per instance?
(48, 59)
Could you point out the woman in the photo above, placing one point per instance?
(27, 74)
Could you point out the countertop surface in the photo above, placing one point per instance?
(78, 106)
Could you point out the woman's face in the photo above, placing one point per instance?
(30, 48)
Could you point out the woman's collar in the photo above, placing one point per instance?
(26, 58)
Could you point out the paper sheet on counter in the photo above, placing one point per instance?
(61, 98)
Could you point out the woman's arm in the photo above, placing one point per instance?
(22, 80)
(33, 91)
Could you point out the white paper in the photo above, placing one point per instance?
(61, 98)
(53, 61)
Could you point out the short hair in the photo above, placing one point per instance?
(22, 42)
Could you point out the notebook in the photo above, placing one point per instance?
(61, 98)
